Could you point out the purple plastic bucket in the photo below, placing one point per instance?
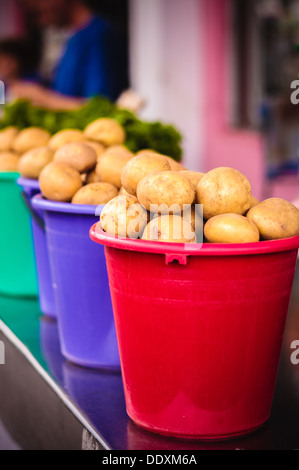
(85, 317)
(44, 276)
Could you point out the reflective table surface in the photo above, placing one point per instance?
(44, 385)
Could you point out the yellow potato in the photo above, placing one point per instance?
(175, 166)
(254, 202)
(105, 130)
(30, 138)
(222, 191)
(122, 191)
(32, 162)
(170, 229)
(193, 176)
(9, 162)
(95, 194)
(65, 136)
(59, 182)
(92, 177)
(275, 218)
(111, 164)
(139, 167)
(97, 146)
(231, 228)
(7, 137)
(78, 155)
(119, 150)
(123, 216)
(165, 192)
(193, 215)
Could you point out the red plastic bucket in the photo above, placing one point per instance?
(199, 331)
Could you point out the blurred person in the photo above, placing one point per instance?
(90, 64)
(14, 61)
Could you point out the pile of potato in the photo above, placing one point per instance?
(148, 195)
(13, 144)
(158, 203)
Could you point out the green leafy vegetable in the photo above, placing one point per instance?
(140, 134)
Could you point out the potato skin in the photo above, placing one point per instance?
(32, 162)
(9, 162)
(231, 228)
(222, 191)
(59, 182)
(169, 229)
(169, 189)
(65, 136)
(123, 216)
(95, 194)
(7, 137)
(111, 163)
(275, 218)
(30, 138)
(78, 155)
(140, 166)
(105, 130)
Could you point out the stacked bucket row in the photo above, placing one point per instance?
(199, 329)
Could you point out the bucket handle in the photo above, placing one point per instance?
(35, 216)
(182, 259)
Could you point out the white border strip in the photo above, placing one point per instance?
(59, 392)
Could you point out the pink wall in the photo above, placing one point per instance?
(224, 145)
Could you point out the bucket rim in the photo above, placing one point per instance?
(9, 175)
(197, 249)
(28, 183)
(39, 202)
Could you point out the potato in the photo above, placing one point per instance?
(92, 177)
(111, 164)
(119, 150)
(223, 191)
(59, 182)
(175, 166)
(97, 146)
(30, 138)
(105, 130)
(95, 194)
(7, 137)
(193, 215)
(275, 218)
(123, 216)
(122, 191)
(139, 167)
(165, 192)
(254, 202)
(170, 229)
(32, 162)
(65, 136)
(193, 176)
(9, 162)
(231, 228)
(78, 155)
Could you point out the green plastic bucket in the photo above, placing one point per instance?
(17, 262)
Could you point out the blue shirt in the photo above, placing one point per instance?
(90, 64)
